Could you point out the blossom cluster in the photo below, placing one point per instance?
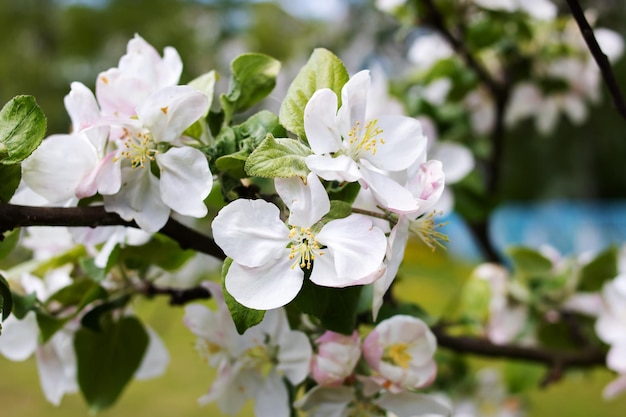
(128, 143)
(396, 356)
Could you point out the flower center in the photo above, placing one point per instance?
(427, 230)
(304, 247)
(365, 138)
(398, 354)
(139, 148)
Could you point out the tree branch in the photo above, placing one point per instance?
(12, 216)
(600, 57)
(178, 296)
(557, 361)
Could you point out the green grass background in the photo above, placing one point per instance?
(431, 279)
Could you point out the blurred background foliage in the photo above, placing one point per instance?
(47, 44)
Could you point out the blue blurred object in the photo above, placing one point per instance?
(462, 243)
(570, 226)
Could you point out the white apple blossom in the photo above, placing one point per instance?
(611, 328)
(400, 351)
(350, 146)
(538, 9)
(249, 365)
(270, 258)
(140, 72)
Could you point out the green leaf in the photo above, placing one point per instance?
(243, 316)
(78, 294)
(92, 318)
(49, 325)
(248, 135)
(9, 242)
(253, 78)
(323, 70)
(601, 269)
(346, 192)
(6, 298)
(278, 158)
(160, 251)
(529, 262)
(22, 304)
(107, 360)
(22, 128)
(336, 308)
(338, 210)
(11, 176)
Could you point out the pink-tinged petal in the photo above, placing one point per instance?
(139, 199)
(251, 232)
(155, 360)
(457, 160)
(615, 387)
(353, 102)
(389, 193)
(357, 247)
(411, 404)
(142, 61)
(616, 358)
(427, 185)
(266, 287)
(105, 178)
(170, 110)
(272, 399)
(307, 202)
(185, 180)
(58, 166)
(82, 107)
(339, 168)
(320, 122)
(19, 337)
(119, 95)
(403, 143)
(56, 363)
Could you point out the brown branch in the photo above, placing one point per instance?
(12, 216)
(178, 296)
(556, 360)
(600, 57)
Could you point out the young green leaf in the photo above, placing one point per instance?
(601, 269)
(323, 70)
(529, 262)
(22, 128)
(107, 360)
(278, 158)
(253, 78)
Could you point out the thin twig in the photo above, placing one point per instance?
(178, 296)
(600, 57)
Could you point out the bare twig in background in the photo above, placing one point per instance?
(600, 57)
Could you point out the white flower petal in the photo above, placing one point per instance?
(339, 168)
(326, 401)
(266, 287)
(353, 102)
(320, 122)
(19, 337)
(58, 166)
(403, 143)
(250, 232)
(272, 399)
(139, 199)
(294, 356)
(56, 364)
(357, 247)
(185, 180)
(411, 404)
(389, 193)
(155, 360)
(170, 110)
(307, 203)
(457, 160)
